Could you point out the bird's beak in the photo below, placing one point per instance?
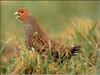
(16, 13)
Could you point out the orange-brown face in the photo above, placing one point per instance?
(22, 14)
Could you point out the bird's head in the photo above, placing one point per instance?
(22, 14)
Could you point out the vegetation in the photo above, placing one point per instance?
(85, 62)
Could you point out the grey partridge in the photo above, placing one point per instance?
(35, 37)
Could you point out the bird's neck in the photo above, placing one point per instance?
(32, 26)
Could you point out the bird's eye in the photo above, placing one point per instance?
(22, 11)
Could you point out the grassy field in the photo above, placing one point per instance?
(80, 27)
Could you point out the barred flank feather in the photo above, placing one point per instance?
(41, 42)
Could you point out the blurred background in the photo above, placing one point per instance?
(54, 16)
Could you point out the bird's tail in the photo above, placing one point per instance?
(74, 50)
(67, 54)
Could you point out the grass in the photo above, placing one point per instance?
(25, 62)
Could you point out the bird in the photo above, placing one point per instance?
(36, 38)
